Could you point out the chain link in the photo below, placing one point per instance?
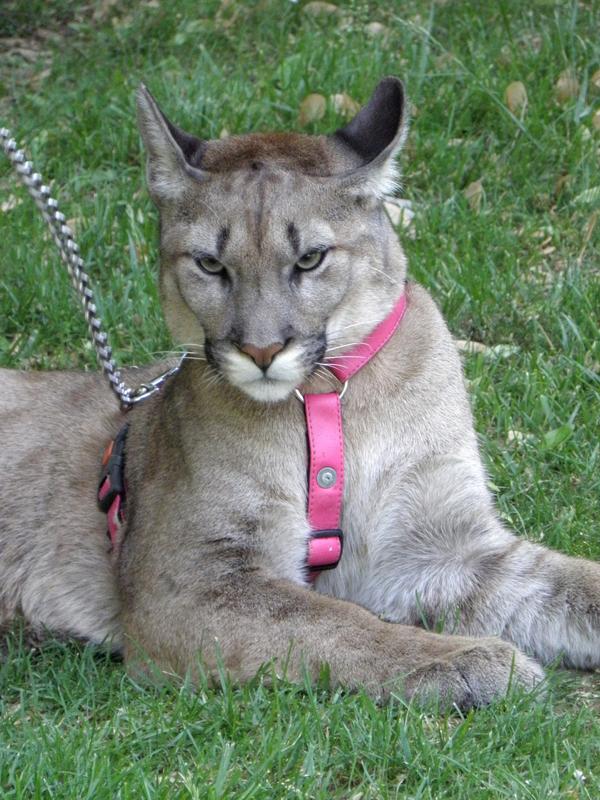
(69, 251)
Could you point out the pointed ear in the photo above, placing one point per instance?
(376, 135)
(174, 157)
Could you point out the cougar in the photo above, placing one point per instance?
(277, 258)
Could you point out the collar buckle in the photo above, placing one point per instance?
(324, 551)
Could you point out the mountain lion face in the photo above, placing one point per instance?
(276, 252)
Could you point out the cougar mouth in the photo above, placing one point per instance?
(289, 368)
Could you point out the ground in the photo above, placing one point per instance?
(506, 200)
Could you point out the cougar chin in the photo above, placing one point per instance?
(285, 373)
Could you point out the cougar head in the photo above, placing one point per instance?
(276, 252)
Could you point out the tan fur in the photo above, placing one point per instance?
(212, 564)
(305, 154)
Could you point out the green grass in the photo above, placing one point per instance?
(74, 726)
(523, 272)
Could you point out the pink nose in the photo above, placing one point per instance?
(262, 356)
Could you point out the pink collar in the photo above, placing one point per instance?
(326, 450)
(364, 352)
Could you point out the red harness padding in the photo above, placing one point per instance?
(112, 488)
(325, 450)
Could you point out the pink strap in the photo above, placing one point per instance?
(325, 479)
(116, 527)
(326, 450)
(357, 357)
(326, 467)
(324, 552)
(113, 517)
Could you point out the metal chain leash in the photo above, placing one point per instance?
(69, 251)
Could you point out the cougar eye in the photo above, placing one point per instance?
(310, 260)
(209, 264)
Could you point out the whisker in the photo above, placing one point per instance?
(211, 377)
(331, 359)
(168, 352)
(335, 366)
(389, 277)
(326, 376)
(189, 356)
(335, 336)
(364, 322)
(338, 356)
(344, 355)
(192, 344)
(339, 346)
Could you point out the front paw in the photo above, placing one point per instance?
(473, 674)
(580, 641)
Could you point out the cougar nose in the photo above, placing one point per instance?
(262, 356)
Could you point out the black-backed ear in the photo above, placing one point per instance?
(376, 135)
(174, 157)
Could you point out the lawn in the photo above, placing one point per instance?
(505, 234)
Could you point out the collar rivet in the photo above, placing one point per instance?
(326, 477)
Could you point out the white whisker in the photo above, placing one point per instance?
(389, 277)
(196, 346)
(339, 346)
(334, 365)
(344, 355)
(364, 322)
(326, 376)
(179, 353)
(211, 377)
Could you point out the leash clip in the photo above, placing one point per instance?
(146, 390)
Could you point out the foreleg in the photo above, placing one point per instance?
(243, 623)
(459, 566)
